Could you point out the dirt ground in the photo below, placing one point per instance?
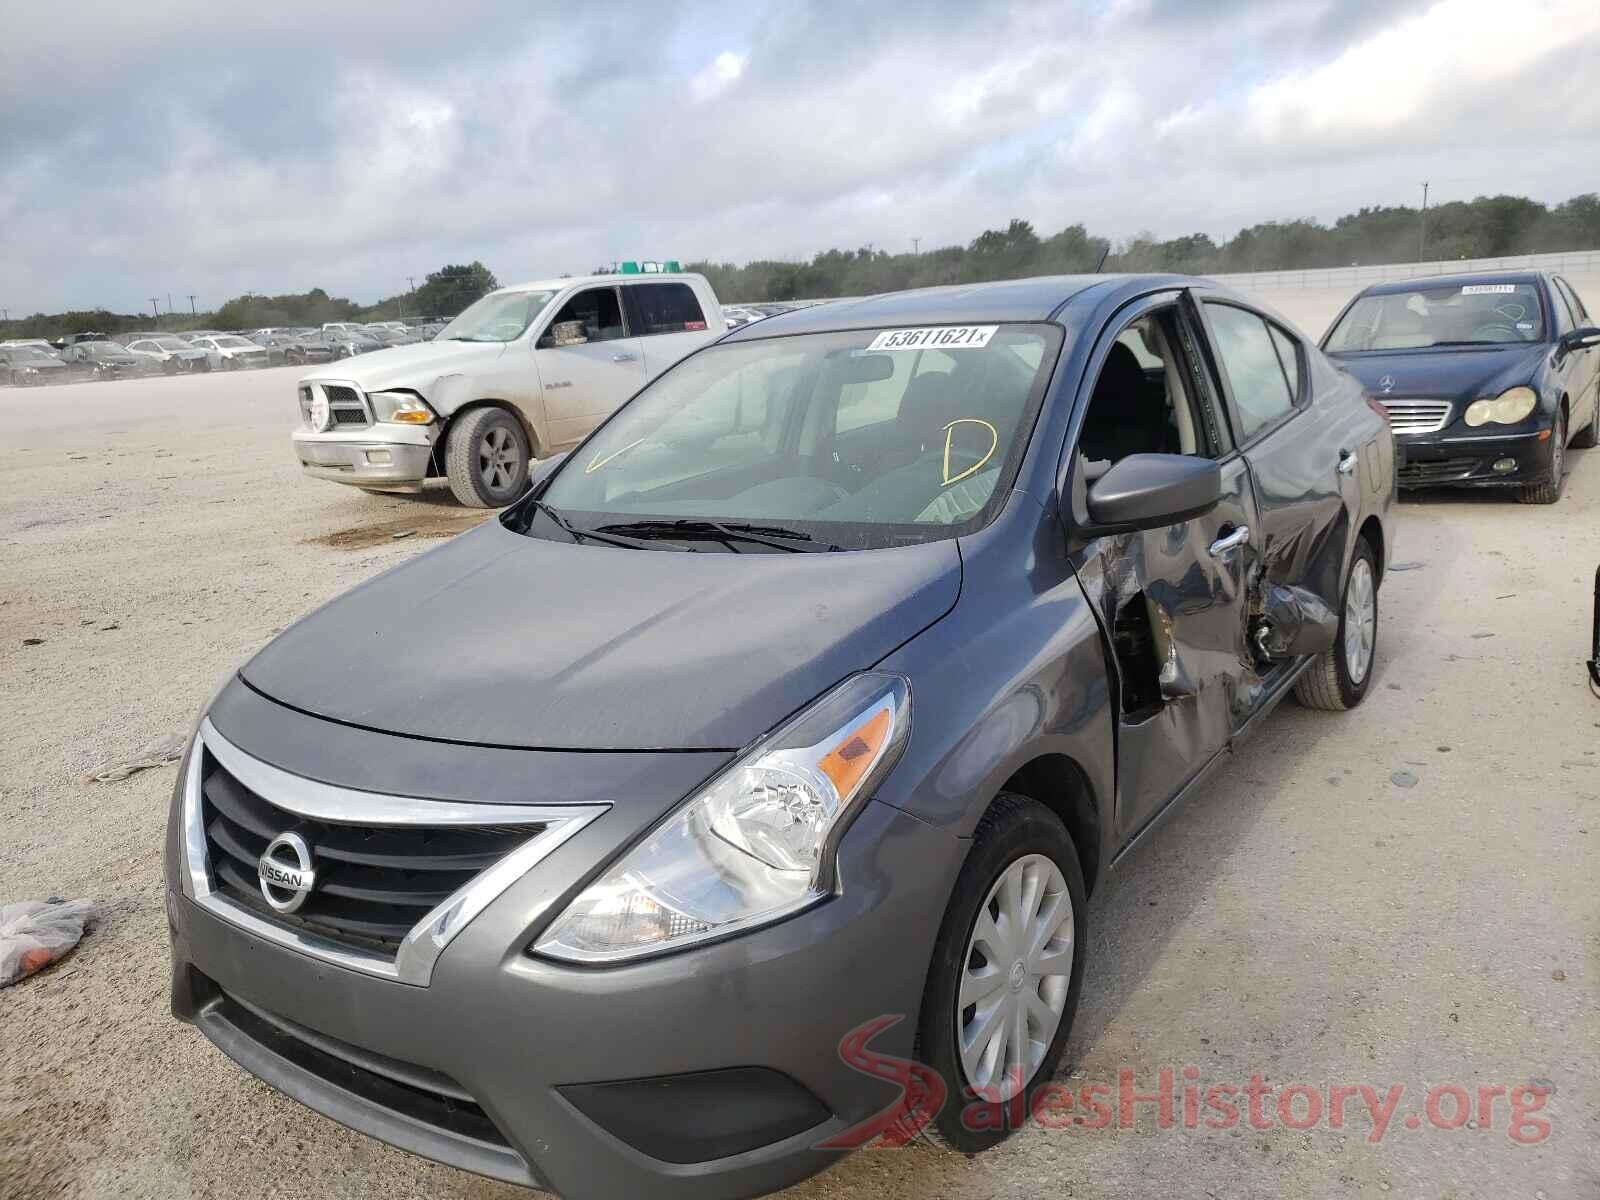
(1307, 919)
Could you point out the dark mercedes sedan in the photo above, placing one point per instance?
(777, 736)
(1487, 378)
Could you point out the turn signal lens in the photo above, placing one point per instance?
(756, 844)
(412, 416)
(1507, 408)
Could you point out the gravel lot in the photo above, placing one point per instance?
(1307, 919)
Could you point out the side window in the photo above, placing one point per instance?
(1142, 402)
(1578, 310)
(1290, 358)
(1260, 389)
(1565, 320)
(667, 308)
(599, 310)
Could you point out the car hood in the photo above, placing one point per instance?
(499, 639)
(1445, 374)
(414, 366)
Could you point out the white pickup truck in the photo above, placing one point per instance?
(524, 373)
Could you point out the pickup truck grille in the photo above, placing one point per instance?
(373, 883)
(347, 408)
(1416, 416)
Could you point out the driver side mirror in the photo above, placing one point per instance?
(1148, 491)
(566, 333)
(1580, 339)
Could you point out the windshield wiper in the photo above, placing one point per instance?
(582, 535)
(779, 537)
(1471, 342)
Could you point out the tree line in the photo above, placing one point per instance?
(1487, 227)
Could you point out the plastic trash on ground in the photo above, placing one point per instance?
(164, 749)
(35, 933)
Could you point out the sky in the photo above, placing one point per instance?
(181, 148)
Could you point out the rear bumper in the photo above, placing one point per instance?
(1432, 460)
(397, 460)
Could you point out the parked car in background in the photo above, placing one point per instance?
(308, 347)
(525, 372)
(849, 656)
(107, 360)
(1487, 378)
(736, 316)
(230, 352)
(341, 326)
(27, 366)
(171, 352)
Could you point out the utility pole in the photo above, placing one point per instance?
(192, 312)
(916, 245)
(155, 309)
(1422, 222)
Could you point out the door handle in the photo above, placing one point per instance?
(1232, 541)
(624, 356)
(1347, 462)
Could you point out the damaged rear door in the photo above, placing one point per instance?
(1173, 601)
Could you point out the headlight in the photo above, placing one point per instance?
(1507, 408)
(405, 408)
(756, 844)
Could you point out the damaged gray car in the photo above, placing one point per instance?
(777, 736)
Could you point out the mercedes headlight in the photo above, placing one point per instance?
(756, 844)
(405, 408)
(1507, 408)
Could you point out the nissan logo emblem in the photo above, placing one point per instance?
(286, 873)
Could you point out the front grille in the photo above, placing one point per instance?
(1439, 470)
(1416, 416)
(348, 416)
(414, 1092)
(373, 883)
(339, 394)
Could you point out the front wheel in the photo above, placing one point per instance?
(1340, 676)
(486, 458)
(1006, 972)
(1548, 490)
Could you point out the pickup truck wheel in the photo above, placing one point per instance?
(1340, 676)
(1548, 490)
(486, 459)
(1006, 973)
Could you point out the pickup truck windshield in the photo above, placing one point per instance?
(859, 440)
(498, 317)
(1488, 312)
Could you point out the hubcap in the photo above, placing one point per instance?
(1360, 621)
(1015, 978)
(498, 459)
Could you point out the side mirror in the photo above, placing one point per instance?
(568, 333)
(1580, 339)
(1147, 491)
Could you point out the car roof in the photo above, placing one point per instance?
(1423, 282)
(555, 285)
(1035, 299)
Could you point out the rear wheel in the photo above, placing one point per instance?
(1548, 490)
(1342, 673)
(1006, 972)
(486, 458)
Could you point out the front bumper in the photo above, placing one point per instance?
(1438, 460)
(492, 1065)
(395, 457)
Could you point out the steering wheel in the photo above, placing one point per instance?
(1496, 332)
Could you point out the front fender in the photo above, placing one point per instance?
(1016, 671)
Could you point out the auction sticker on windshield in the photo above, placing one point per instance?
(944, 337)
(1489, 289)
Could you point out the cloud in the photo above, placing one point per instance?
(298, 145)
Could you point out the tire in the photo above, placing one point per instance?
(1017, 834)
(1548, 490)
(1330, 683)
(1589, 436)
(486, 458)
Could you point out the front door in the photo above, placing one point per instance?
(584, 383)
(1172, 600)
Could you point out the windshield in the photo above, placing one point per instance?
(172, 343)
(498, 317)
(1487, 313)
(234, 341)
(27, 353)
(859, 440)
